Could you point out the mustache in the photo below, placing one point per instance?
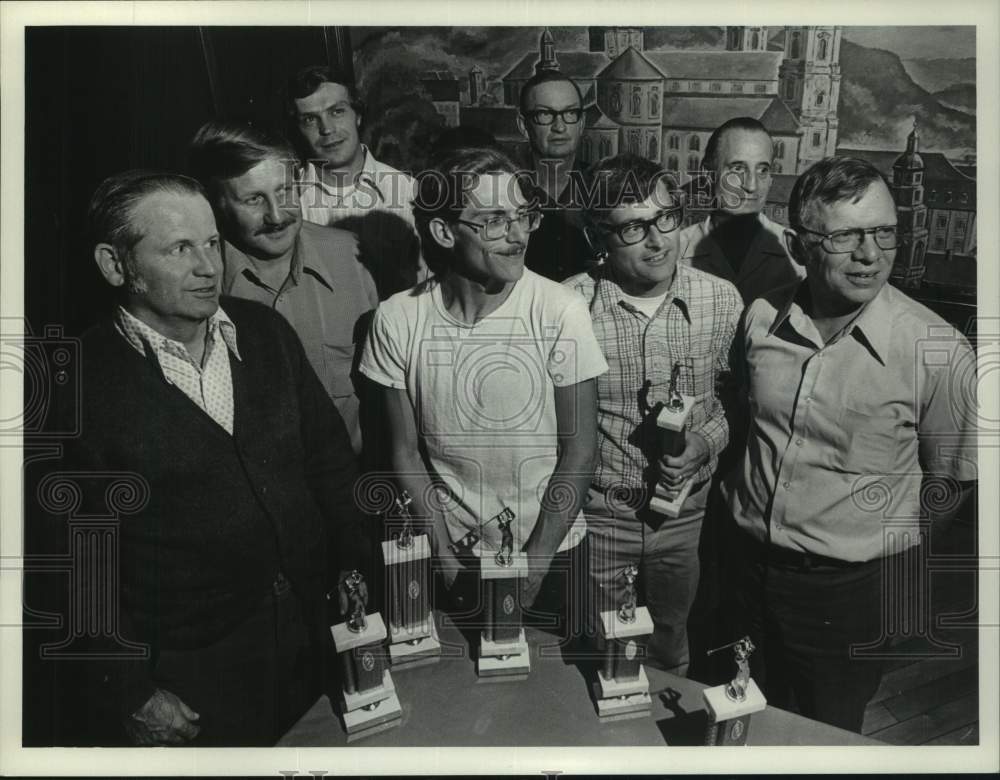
(266, 229)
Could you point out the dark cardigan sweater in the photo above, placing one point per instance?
(225, 514)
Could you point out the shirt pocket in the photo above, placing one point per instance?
(871, 441)
(338, 362)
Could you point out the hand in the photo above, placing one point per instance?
(342, 590)
(675, 470)
(163, 720)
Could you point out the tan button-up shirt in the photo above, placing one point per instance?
(766, 266)
(843, 435)
(326, 298)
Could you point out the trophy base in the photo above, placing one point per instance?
(669, 503)
(728, 720)
(504, 660)
(383, 715)
(616, 698)
(637, 705)
(361, 699)
(407, 651)
(611, 688)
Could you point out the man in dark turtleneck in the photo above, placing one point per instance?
(736, 241)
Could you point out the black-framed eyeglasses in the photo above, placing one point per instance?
(498, 227)
(546, 116)
(635, 231)
(843, 241)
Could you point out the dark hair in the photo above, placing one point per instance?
(831, 180)
(113, 205)
(307, 80)
(623, 179)
(441, 189)
(545, 77)
(709, 161)
(224, 150)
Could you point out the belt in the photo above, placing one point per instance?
(798, 559)
(636, 498)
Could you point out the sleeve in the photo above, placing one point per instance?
(716, 427)
(383, 360)
(948, 421)
(575, 356)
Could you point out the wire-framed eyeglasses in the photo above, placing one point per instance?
(498, 227)
(633, 232)
(848, 240)
(546, 116)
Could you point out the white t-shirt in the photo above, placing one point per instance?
(648, 306)
(483, 395)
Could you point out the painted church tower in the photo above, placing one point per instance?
(746, 39)
(809, 84)
(908, 190)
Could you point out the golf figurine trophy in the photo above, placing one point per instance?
(412, 634)
(730, 706)
(671, 423)
(503, 649)
(369, 697)
(622, 688)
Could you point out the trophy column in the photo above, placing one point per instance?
(671, 424)
(412, 633)
(622, 685)
(369, 696)
(731, 706)
(503, 649)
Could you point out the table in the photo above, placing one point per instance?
(446, 705)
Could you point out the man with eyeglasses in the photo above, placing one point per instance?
(737, 242)
(343, 185)
(655, 319)
(862, 433)
(551, 118)
(487, 373)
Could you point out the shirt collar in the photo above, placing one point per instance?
(145, 339)
(371, 170)
(873, 325)
(610, 294)
(303, 261)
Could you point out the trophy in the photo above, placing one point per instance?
(730, 706)
(671, 422)
(412, 633)
(622, 685)
(503, 649)
(369, 697)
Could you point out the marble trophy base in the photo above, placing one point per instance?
(622, 687)
(671, 427)
(373, 704)
(669, 502)
(410, 649)
(728, 720)
(503, 661)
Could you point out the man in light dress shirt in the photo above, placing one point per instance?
(312, 275)
(343, 185)
(488, 378)
(862, 432)
(737, 242)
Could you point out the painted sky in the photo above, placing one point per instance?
(917, 42)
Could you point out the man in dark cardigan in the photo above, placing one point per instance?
(249, 522)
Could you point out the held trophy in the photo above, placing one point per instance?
(369, 697)
(622, 685)
(671, 423)
(730, 706)
(503, 649)
(412, 633)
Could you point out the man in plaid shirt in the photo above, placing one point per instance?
(650, 315)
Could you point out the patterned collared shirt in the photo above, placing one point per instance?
(209, 386)
(693, 328)
(378, 208)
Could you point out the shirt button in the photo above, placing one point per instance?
(798, 442)
(263, 489)
(785, 485)
(809, 399)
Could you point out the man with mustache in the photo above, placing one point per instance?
(737, 242)
(860, 405)
(488, 374)
(312, 275)
(245, 516)
(343, 185)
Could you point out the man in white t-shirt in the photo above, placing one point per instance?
(488, 373)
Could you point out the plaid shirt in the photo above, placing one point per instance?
(694, 327)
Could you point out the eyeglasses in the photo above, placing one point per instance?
(546, 116)
(637, 230)
(498, 227)
(844, 241)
